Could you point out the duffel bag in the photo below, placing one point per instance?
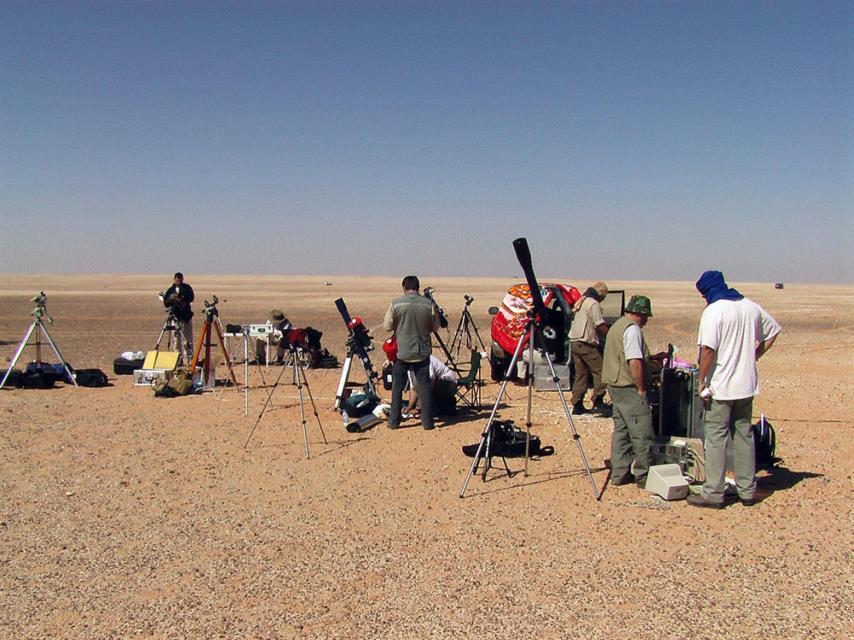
(90, 378)
(14, 379)
(125, 367)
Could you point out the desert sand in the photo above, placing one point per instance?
(124, 515)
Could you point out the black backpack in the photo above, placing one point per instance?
(509, 442)
(765, 444)
(90, 378)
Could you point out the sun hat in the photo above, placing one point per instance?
(640, 305)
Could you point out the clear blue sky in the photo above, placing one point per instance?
(626, 140)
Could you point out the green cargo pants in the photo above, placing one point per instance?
(633, 436)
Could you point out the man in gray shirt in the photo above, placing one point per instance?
(412, 318)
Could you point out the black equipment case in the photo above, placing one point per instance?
(125, 367)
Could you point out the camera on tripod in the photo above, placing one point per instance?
(443, 319)
(468, 299)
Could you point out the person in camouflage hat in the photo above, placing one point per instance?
(626, 371)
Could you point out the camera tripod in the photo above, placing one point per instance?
(465, 327)
(175, 334)
(538, 326)
(210, 324)
(299, 380)
(37, 327)
(485, 449)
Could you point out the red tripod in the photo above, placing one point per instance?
(211, 322)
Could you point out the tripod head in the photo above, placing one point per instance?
(468, 299)
(443, 319)
(41, 307)
(210, 309)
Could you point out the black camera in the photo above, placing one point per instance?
(468, 299)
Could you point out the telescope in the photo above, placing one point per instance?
(443, 319)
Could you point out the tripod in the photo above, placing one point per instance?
(299, 380)
(211, 323)
(176, 334)
(463, 334)
(533, 327)
(38, 327)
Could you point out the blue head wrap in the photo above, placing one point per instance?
(712, 287)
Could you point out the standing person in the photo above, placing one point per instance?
(626, 371)
(179, 297)
(587, 329)
(412, 318)
(734, 333)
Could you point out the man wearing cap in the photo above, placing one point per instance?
(734, 333)
(280, 323)
(178, 298)
(588, 328)
(413, 319)
(626, 371)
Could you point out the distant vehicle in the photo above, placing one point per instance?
(779, 285)
(508, 321)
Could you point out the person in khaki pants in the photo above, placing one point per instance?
(588, 328)
(734, 333)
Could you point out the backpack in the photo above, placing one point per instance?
(40, 375)
(15, 378)
(179, 384)
(509, 442)
(765, 444)
(90, 378)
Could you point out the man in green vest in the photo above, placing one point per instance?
(626, 371)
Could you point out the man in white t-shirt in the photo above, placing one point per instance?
(443, 386)
(734, 333)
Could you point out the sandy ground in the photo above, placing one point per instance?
(123, 515)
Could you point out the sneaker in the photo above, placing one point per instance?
(699, 500)
(429, 427)
(748, 502)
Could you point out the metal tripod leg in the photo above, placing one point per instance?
(313, 405)
(58, 354)
(575, 435)
(21, 346)
(298, 385)
(264, 407)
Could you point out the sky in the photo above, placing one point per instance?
(629, 140)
